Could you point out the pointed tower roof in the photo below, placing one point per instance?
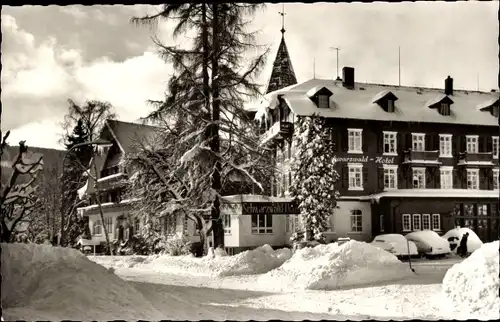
(282, 74)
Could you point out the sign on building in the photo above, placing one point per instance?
(270, 208)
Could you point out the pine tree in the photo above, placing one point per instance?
(314, 175)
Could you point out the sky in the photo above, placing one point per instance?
(53, 53)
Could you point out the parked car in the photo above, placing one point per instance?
(454, 236)
(429, 243)
(396, 244)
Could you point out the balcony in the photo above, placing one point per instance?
(421, 157)
(476, 159)
(278, 131)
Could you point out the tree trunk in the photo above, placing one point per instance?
(6, 233)
(218, 229)
(105, 230)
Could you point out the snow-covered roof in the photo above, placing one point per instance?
(434, 193)
(254, 198)
(383, 94)
(487, 104)
(412, 104)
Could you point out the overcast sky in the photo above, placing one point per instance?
(50, 54)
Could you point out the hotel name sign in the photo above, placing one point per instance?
(365, 159)
(269, 208)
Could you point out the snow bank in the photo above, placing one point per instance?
(473, 242)
(54, 283)
(473, 284)
(332, 266)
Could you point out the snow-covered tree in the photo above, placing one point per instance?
(18, 199)
(314, 175)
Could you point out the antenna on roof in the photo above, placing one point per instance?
(477, 82)
(399, 65)
(337, 49)
(314, 67)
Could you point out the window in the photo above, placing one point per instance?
(426, 222)
(390, 177)
(381, 223)
(296, 222)
(323, 101)
(494, 148)
(417, 224)
(355, 177)
(355, 141)
(445, 147)
(390, 106)
(436, 222)
(471, 143)
(185, 224)
(108, 221)
(472, 178)
(331, 223)
(418, 178)
(97, 227)
(169, 225)
(406, 222)
(444, 108)
(137, 226)
(262, 224)
(356, 220)
(286, 180)
(390, 143)
(226, 222)
(418, 141)
(495, 179)
(288, 223)
(446, 176)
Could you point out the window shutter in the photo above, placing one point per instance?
(461, 143)
(401, 179)
(456, 181)
(364, 141)
(437, 179)
(454, 145)
(428, 178)
(380, 142)
(345, 176)
(490, 181)
(365, 178)
(483, 183)
(408, 141)
(334, 136)
(489, 143)
(345, 140)
(435, 142)
(381, 178)
(401, 140)
(429, 142)
(481, 144)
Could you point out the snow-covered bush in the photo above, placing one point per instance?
(314, 175)
(177, 245)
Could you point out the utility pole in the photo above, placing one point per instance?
(337, 49)
(399, 65)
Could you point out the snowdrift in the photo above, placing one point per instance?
(332, 266)
(473, 242)
(256, 261)
(54, 283)
(472, 285)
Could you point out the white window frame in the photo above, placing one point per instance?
(226, 223)
(408, 218)
(472, 143)
(381, 223)
(419, 221)
(356, 226)
(449, 175)
(323, 101)
(137, 226)
(445, 146)
(391, 170)
(258, 230)
(418, 141)
(354, 169)
(429, 223)
(438, 226)
(416, 174)
(474, 172)
(108, 221)
(495, 146)
(495, 179)
(355, 140)
(95, 231)
(391, 138)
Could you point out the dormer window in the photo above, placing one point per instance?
(323, 101)
(386, 100)
(491, 106)
(444, 108)
(495, 110)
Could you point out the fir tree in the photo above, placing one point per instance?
(314, 175)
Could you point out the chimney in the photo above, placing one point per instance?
(348, 77)
(448, 86)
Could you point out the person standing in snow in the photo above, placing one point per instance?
(462, 249)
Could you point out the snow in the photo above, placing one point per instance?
(112, 176)
(472, 285)
(82, 190)
(396, 244)
(435, 193)
(41, 282)
(430, 238)
(473, 241)
(332, 266)
(254, 198)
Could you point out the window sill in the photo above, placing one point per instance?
(97, 235)
(446, 156)
(390, 189)
(255, 233)
(355, 232)
(355, 189)
(390, 154)
(354, 152)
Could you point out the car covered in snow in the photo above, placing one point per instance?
(396, 244)
(454, 236)
(429, 243)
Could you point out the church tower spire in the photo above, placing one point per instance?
(282, 74)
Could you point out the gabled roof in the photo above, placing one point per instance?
(282, 74)
(441, 98)
(384, 94)
(318, 89)
(357, 103)
(487, 104)
(130, 135)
